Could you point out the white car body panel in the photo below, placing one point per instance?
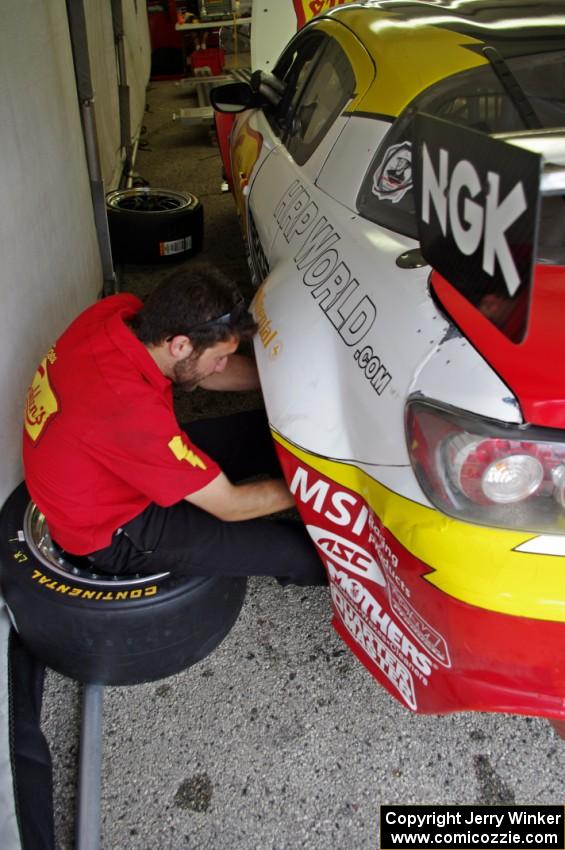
(482, 392)
(379, 371)
(451, 597)
(350, 158)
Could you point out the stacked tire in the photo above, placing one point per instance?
(149, 225)
(104, 629)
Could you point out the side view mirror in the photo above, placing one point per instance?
(263, 89)
(268, 86)
(233, 98)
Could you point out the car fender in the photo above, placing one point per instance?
(325, 310)
(252, 141)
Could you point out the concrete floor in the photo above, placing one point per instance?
(279, 739)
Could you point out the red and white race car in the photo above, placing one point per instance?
(419, 415)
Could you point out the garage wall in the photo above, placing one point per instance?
(50, 264)
(138, 57)
(103, 66)
(102, 56)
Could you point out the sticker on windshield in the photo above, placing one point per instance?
(393, 177)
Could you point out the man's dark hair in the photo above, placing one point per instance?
(186, 302)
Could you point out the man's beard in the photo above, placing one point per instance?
(186, 374)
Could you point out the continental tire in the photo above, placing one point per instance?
(153, 225)
(115, 631)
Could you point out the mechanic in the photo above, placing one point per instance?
(120, 481)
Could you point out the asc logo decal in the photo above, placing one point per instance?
(346, 554)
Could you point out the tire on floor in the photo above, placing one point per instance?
(150, 225)
(101, 629)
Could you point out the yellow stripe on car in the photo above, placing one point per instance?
(407, 66)
(361, 62)
(474, 564)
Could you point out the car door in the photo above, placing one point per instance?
(319, 79)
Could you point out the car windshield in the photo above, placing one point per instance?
(475, 99)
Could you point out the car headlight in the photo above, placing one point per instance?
(484, 471)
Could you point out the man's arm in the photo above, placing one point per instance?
(240, 374)
(230, 502)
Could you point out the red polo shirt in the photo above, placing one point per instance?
(101, 440)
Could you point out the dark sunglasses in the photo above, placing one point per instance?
(234, 317)
(236, 314)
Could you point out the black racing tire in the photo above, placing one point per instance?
(153, 225)
(104, 629)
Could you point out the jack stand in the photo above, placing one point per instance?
(90, 769)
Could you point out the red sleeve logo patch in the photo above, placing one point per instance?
(182, 452)
(41, 402)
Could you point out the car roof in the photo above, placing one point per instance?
(416, 44)
(471, 17)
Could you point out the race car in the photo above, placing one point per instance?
(403, 203)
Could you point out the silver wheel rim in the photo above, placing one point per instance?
(38, 538)
(147, 200)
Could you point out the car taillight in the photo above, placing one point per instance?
(485, 471)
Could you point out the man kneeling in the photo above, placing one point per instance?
(120, 481)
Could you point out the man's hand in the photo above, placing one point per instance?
(240, 374)
(231, 502)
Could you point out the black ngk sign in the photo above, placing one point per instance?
(477, 205)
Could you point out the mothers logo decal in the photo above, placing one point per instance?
(370, 585)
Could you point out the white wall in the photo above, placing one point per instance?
(138, 57)
(103, 66)
(276, 21)
(102, 56)
(274, 24)
(49, 257)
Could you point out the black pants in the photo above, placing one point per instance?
(26, 749)
(188, 541)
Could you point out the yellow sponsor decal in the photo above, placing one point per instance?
(245, 153)
(41, 403)
(267, 334)
(472, 563)
(182, 452)
(306, 9)
(99, 595)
